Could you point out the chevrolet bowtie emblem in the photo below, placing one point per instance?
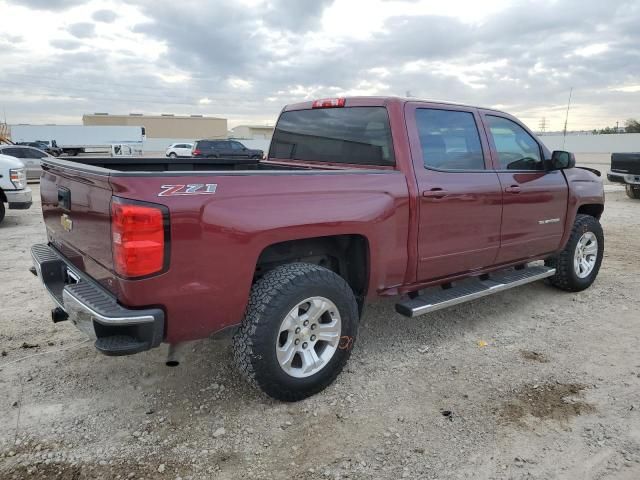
(66, 222)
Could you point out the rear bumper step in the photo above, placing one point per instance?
(116, 329)
(437, 298)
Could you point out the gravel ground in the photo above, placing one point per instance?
(529, 383)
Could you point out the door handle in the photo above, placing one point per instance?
(435, 192)
(513, 189)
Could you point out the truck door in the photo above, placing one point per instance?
(534, 200)
(460, 199)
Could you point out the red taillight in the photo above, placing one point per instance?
(329, 103)
(139, 238)
(196, 152)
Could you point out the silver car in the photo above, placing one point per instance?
(30, 156)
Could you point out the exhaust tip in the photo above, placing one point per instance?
(174, 356)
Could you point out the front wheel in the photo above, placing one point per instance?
(577, 266)
(298, 331)
(633, 191)
(1, 211)
(173, 155)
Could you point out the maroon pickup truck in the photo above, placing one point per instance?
(434, 203)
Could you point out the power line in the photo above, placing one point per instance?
(542, 125)
(566, 118)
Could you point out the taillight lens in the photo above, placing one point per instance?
(329, 103)
(196, 152)
(139, 238)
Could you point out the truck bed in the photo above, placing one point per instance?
(165, 164)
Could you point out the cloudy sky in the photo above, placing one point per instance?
(245, 59)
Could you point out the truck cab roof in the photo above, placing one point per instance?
(369, 101)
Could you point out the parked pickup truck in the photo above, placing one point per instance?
(13, 185)
(362, 197)
(625, 169)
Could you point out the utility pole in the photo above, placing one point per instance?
(542, 125)
(617, 131)
(566, 119)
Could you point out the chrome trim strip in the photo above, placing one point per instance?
(490, 288)
(74, 307)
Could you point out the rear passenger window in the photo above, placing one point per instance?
(517, 150)
(449, 140)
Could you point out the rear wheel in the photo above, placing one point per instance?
(2, 211)
(633, 191)
(577, 266)
(298, 331)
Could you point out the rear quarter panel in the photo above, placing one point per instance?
(217, 239)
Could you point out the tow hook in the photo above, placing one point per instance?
(59, 315)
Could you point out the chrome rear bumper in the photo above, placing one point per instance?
(95, 311)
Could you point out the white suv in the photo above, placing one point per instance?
(179, 150)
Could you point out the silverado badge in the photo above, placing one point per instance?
(66, 222)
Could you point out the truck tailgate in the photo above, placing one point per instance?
(76, 210)
(626, 163)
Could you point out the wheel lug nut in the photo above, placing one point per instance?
(313, 326)
(313, 338)
(304, 345)
(306, 322)
(297, 342)
(298, 330)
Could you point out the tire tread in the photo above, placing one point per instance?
(563, 262)
(264, 299)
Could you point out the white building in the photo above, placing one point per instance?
(252, 132)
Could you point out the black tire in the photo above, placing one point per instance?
(2, 211)
(566, 277)
(271, 299)
(633, 191)
(173, 155)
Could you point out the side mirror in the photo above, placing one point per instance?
(561, 160)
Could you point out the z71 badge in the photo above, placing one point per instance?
(189, 189)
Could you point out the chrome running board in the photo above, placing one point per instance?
(436, 298)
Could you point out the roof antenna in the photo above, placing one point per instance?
(566, 119)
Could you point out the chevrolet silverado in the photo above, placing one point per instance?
(433, 203)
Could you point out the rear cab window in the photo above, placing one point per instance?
(351, 135)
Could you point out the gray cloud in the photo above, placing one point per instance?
(525, 57)
(82, 29)
(54, 5)
(295, 15)
(64, 44)
(106, 16)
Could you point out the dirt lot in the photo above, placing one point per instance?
(530, 383)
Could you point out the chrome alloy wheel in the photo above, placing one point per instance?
(586, 254)
(308, 337)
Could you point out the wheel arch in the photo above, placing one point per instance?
(348, 255)
(3, 196)
(593, 209)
